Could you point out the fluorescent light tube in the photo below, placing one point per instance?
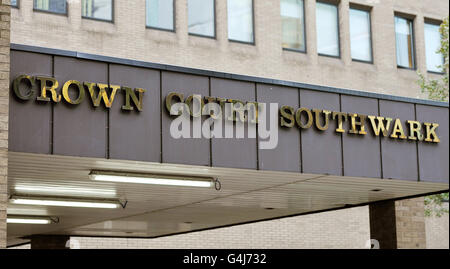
(63, 202)
(43, 190)
(13, 210)
(151, 179)
(22, 220)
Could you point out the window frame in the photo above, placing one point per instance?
(97, 19)
(410, 18)
(215, 23)
(438, 23)
(304, 33)
(253, 43)
(367, 9)
(65, 13)
(17, 4)
(336, 4)
(174, 28)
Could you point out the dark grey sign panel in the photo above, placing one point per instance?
(361, 152)
(237, 153)
(183, 151)
(321, 150)
(434, 157)
(399, 157)
(80, 130)
(286, 156)
(135, 135)
(88, 131)
(30, 122)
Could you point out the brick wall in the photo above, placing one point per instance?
(410, 216)
(398, 224)
(4, 100)
(127, 37)
(346, 228)
(436, 229)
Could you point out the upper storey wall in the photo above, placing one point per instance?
(128, 38)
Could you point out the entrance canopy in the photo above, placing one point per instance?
(74, 115)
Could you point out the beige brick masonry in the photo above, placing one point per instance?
(128, 38)
(4, 89)
(410, 217)
(436, 229)
(346, 228)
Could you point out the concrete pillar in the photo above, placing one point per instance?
(50, 242)
(4, 108)
(398, 224)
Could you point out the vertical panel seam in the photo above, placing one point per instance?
(52, 113)
(107, 151)
(210, 133)
(160, 116)
(342, 140)
(381, 147)
(417, 147)
(257, 133)
(300, 134)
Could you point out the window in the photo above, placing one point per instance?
(404, 40)
(432, 45)
(53, 6)
(160, 14)
(201, 17)
(327, 29)
(240, 20)
(15, 3)
(360, 39)
(293, 24)
(97, 9)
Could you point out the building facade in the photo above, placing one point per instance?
(4, 109)
(127, 36)
(308, 42)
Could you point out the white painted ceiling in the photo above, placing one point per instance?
(154, 210)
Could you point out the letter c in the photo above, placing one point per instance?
(16, 87)
(171, 96)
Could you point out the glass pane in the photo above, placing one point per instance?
(404, 42)
(14, 3)
(360, 35)
(293, 24)
(240, 20)
(432, 45)
(327, 29)
(98, 9)
(160, 14)
(201, 17)
(57, 6)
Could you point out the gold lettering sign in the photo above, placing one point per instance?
(31, 85)
(309, 118)
(304, 118)
(287, 116)
(341, 117)
(47, 91)
(65, 92)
